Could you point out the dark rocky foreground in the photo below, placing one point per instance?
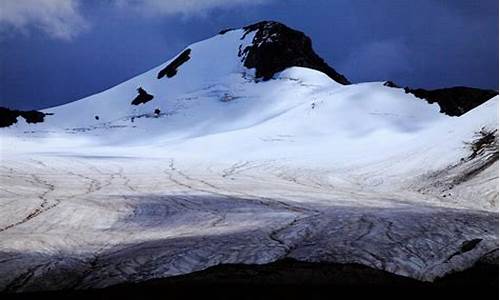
(291, 279)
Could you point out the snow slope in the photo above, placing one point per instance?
(236, 169)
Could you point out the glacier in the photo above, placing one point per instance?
(235, 169)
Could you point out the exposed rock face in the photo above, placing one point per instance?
(142, 98)
(171, 69)
(454, 101)
(9, 116)
(391, 84)
(277, 47)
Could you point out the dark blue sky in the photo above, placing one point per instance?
(73, 51)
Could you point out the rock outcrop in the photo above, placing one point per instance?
(171, 69)
(454, 101)
(142, 98)
(9, 116)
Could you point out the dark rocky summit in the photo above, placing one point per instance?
(171, 69)
(142, 98)
(277, 47)
(454, 101)
(9, 116)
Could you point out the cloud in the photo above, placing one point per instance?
(62, 19)
(183, 7)
(59, 19)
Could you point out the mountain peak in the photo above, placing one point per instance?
(276, 47)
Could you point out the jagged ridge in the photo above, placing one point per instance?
(454, 101)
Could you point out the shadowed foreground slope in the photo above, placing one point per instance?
(291, 279)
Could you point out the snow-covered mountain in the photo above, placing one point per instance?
(252, 143)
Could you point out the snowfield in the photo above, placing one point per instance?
(238, 170)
